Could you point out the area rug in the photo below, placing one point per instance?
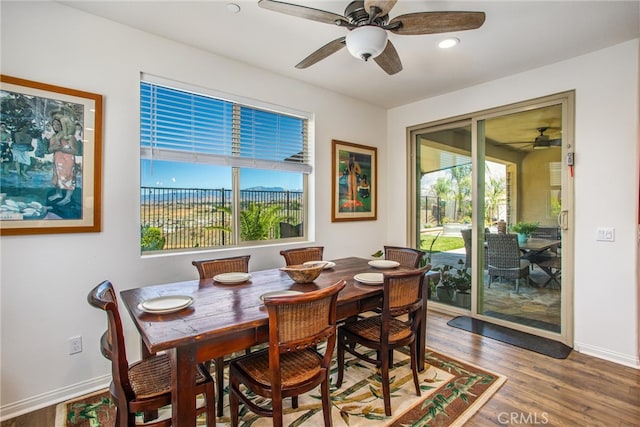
(520, 339)
(452, 392)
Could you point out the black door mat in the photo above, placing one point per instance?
(520, 339)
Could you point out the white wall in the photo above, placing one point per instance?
(45, 279)
(606, 182)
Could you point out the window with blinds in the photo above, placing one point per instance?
(217, 172)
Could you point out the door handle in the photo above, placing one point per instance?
(562, 220)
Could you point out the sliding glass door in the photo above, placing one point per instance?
(492, 209)
(522, 281)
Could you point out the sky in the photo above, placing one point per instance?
(167, 174)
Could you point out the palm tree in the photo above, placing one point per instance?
(442, 188)
(461, 177)
(495, 191)
(258, 220)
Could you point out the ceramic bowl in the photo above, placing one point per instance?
(304, 273)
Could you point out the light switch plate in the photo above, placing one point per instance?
(606, 234)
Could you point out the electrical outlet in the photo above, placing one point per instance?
(75, 345)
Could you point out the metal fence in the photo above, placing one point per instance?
(192, 218)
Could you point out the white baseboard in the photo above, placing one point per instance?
(54, 397)
(601, 353)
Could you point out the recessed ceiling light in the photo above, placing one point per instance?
(448, 43)
(233, 8)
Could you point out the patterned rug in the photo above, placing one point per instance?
(452, 392)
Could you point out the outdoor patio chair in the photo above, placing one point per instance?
(289, 230)
(503, 259)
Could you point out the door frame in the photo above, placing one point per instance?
(567, 101)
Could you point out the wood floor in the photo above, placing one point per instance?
(577, 391)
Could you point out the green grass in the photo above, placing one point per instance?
(442, 244)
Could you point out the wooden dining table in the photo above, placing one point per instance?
(226, 318)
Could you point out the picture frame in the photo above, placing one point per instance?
(51, 151)
(354, 183)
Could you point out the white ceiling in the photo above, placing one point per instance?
(516, 36)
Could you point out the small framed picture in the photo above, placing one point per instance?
(354, 182)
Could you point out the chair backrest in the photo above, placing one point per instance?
(402, 295)
(208, 268)
(551, 233)
(112, 344)
(302, 255)
(290, 230)
(300, 322)
(503, 250)
(407, 257)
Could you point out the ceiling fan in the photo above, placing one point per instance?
(368, 23)
(541, 141)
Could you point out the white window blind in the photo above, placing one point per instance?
(185, 126)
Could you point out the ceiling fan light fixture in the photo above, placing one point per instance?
(367, 41)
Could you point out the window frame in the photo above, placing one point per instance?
(303, 167)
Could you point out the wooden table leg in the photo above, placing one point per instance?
(183, 382)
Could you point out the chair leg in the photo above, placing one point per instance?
(326, 401)
(340, 357)
(414, 366)
(386, 389)
(517, 285)
(276, 409)
(210, 401)
(234, 406)
(220, 384)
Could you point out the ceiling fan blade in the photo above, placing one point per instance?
(304, 12)
(323, 52)
(435, 22)
(383, 7)
(389, 60)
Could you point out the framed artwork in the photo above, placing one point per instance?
(354, 182)
(51, 152)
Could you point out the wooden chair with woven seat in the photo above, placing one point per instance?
(504, 259)
(302, 255)
(143, 386)
(396, 326)
(207, 269)
(292, 365)
(407, 257)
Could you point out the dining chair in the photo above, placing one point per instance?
(294, 363)
(207, 269)
(396, 326)
(302, 255)
(504, 258)
(407, 257)
(144, 386)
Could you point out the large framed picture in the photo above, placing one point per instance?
(354, 182)
(51, 152)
